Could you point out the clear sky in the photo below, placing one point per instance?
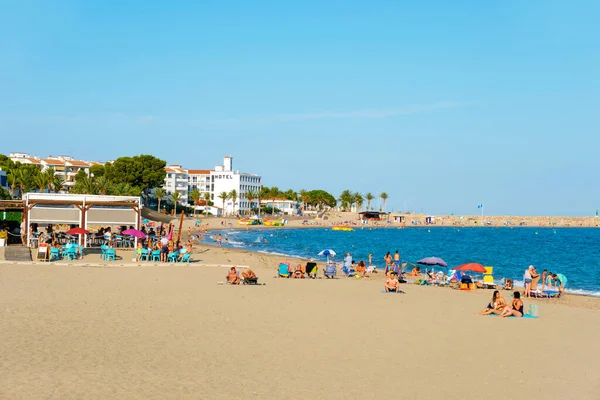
(442, 104)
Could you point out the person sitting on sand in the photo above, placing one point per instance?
(249, 274)
(515, 308)
(392, 284)
(232, 277)
(361, 269)
(495, 306)
(415, 272)
(298, 272)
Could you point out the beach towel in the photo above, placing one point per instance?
(399, 291)
(526, 316)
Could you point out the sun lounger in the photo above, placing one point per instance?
(250, 281)
(488, 279)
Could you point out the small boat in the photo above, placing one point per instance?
(276, 222)
(342, 228)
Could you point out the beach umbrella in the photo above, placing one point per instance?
(474, 267)
(328, 253)
(433, 261)
(134, 232)
(77, 231)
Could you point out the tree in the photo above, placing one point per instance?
(104, 186)
(206, 200)
(346, 199)
(321, 198)
(251, 196)
(40, 182)
(97, 171)
(11, 179)
(262, 194)
(160, 194)
(195, 197)
(144, 171)
(305, 197)
(384, 197)
(358, 199)
(84, 185)
(223, 196)
(49, 176)
(175, 197)
(57, 184)
(369, 196)
(233, 195)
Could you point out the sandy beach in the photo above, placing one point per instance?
(90, 331)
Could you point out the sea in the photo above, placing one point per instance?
(573, 252)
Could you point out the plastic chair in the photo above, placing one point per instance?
(103, 249)
(155, 255)
(54, 254)
(144, 255)
(71, 253)
(185, 258)
(172, 257)
(110, 254)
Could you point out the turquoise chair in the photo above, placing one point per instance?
(144, 255)
(155, 255)
(71, 253)
(172, 257)
(186, 258)
(103, 249)
(110, 254)
(54, 254)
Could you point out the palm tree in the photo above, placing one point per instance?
(384, 197)
(22, 178)
(369, 196)
(346, 199)
(175, 197)
(103, 185)
(274, 193)
(160, 194)
(251, 196)
(11, 178)
(195, 196)
(305, 197)
(40, 182)
(56, 184)
(233, 195)
(206, 200)
(48, 177)
(223, 196)
(358, 199)
(262, 194)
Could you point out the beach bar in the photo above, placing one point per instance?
(80, 210)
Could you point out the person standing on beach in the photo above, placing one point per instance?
(370, 259)
(164, 242)
(388, 261)
(527, 280)
(397, 258)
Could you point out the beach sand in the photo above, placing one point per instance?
(87, 331)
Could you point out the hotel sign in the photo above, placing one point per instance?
(223, 176)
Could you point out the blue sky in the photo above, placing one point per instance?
(442, 104)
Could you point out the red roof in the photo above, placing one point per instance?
(198, 171)
(78, 163)
(51, 161)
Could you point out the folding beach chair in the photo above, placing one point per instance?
(283, 271)
(329, 271)
(311, 269)
(348, 272)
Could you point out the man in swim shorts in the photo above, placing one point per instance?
(392, 284)
(164, 249)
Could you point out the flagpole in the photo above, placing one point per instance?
(481, 214)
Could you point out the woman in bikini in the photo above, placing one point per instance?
(515, 308)
(495, 306)
(298, 272)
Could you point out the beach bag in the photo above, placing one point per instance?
(533, 310)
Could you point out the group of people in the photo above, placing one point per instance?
(165, 246)
(550, 280)
(498, 306)
(233, 277)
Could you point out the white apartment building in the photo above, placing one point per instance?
(225, 179)
(64, 166)
(176, 180)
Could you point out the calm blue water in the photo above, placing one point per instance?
(570, 251)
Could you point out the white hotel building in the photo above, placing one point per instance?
(221, 179)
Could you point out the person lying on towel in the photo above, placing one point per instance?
(248, 274)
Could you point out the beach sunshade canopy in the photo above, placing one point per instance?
(77, 231)
(134, 233)
(433, 261)
(327, 252)
(474, 267)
